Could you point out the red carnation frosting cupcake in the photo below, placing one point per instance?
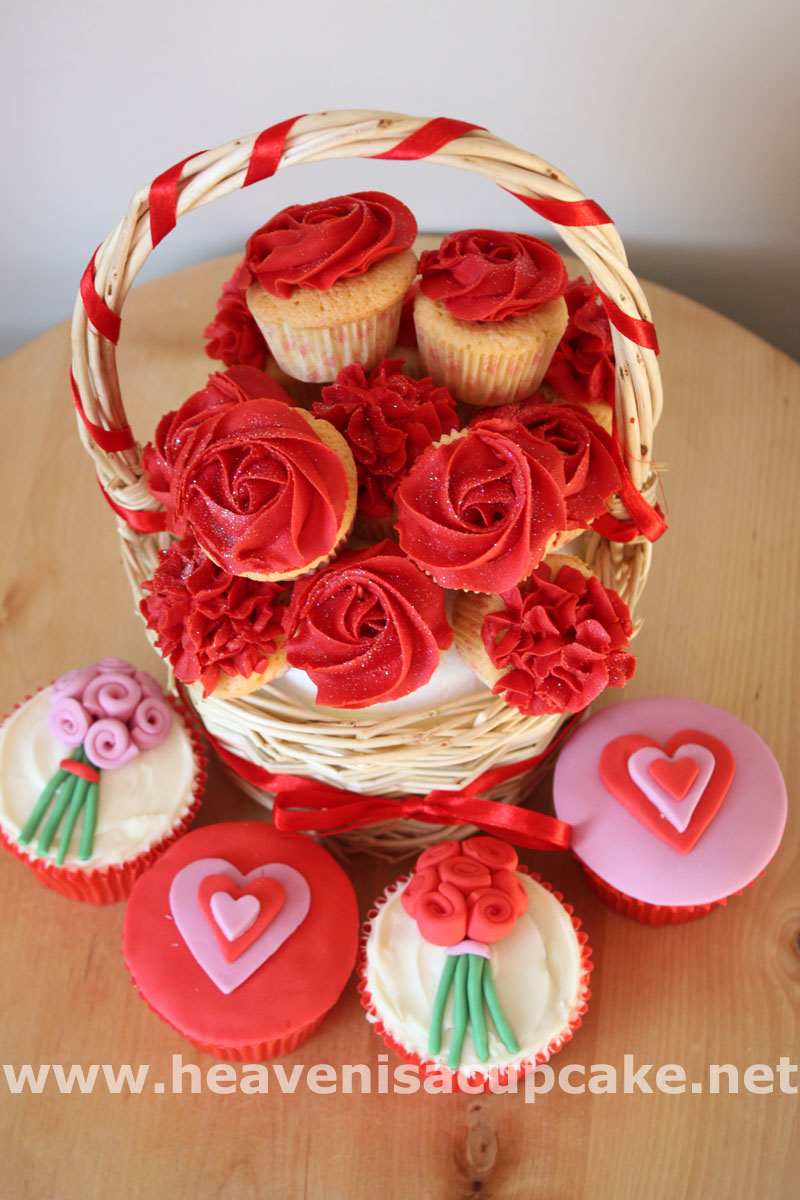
(327, 281)
(367, 629)
(242, 939)
(551, 645)
(233, 335)
(387, 420)
(473, 967)
(490, 313)
(267, 491)
(478, 510)
(99, 774)
(220, 633)
(581, 370)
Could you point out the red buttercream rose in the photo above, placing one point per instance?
(314, 245)
(590, 474)
(560, 641)
(235, 337)
(387, 419)
(247, 473)
(367, 628)
(477, 511)
(582, 368)
(488, 275)
(208, 621)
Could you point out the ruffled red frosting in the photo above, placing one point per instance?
(235, 337)
(209, 621)
(477, 512)
(388, 419)
(367, 628)
(248, 475)
(314, 245)
(590, 474)
(561, 641)
(582, 368)
(488, 275)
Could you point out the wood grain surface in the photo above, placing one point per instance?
(721, 626)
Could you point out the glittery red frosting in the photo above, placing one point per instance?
(248, 475)
(314, 245)
(565, 640)
(235, 337)
(582, 368)
(589, 473)
(208, 621)
(477, 512)
(388, 419)
(368, 628)
(488, 275)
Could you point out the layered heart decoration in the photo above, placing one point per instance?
(233, 923)
(674, 790)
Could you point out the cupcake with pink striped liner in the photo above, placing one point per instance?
(472, 968)
(99, 773)
(675, 806)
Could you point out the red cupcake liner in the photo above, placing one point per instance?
(108, 885)
(653, 914)
(496, 1079)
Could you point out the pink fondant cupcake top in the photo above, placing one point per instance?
(671, 801)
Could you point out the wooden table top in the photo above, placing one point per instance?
(721, 626)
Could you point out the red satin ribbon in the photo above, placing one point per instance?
(106, 322)
(566, 212)
(428, 139)
(142, 520)
(267, 151)
(645, 519)
(84, 770)
(163, 200)
(308, 806)
(112, 440)
(641, 332)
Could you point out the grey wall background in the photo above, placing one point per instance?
(680, 119)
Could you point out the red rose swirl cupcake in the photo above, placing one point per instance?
(490, 313)
(327, 281)
(267, 490)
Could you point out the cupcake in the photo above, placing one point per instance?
(490, 314)
(99, 774)
(266, 490)
(326, 281)
(674, 805)
(242, 939)
(582, 369)
(478, 510)
(550, 645)
(473, 967)
(221, 633)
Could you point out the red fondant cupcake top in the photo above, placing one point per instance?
(387, 419)
(489, 275)
(367, 628)
(315, 245)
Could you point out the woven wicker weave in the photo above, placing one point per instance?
(402, 755)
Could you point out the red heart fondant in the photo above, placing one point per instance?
(616, 777)
(270, 896)
(674, 775)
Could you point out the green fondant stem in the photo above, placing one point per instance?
(460, 1013)
(75, 806)
(89, 823)
(41, 806)
(477, 1017)
(437, 1015)
(493, 1004)
(56, 815)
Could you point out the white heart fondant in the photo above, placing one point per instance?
(234, 915)
(677, 812)
(199, 936)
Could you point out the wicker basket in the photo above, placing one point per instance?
(408, 754)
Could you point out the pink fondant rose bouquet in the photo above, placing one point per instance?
(466, 896)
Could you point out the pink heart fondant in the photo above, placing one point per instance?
(199, 936)
(234, 917)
